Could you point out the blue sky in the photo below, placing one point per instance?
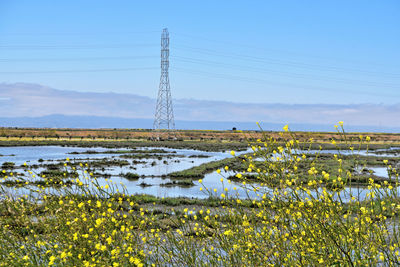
(303, 52)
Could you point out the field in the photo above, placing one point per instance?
(184, 135)
(284, 198)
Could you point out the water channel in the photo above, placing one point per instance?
(156, 167)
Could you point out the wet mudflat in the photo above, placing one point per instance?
(157, 171)
(143, 170)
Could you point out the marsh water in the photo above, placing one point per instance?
(152, 171)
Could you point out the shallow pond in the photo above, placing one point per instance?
(32, 154)
(174, 160)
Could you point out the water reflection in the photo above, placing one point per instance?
(176, 160)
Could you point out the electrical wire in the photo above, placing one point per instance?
(88, 46)
(78, 71)
(271, 83)
(74, 59)
(282, 73)
(269, 50)
(276, 61)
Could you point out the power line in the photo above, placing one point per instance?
(89, 46)
(276, 61)
(282, 73)
(248, 79)
(77, 71)
(73, 59)
(202, 62)
(195, 37)
(268, 82)
(178, 34)
(247, 58)
(91, 33)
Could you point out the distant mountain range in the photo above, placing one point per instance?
(65, 121)
(32, 105)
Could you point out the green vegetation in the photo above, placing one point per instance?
(304, 211)
(182, 183)
(97, 163)
(131, 151)
(203, 146)
(199, 156)
(131, 176)
(59, 173)
(55, 182)
(150, 156)
(198, 172)
(8, 165)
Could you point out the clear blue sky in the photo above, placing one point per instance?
(243, 51)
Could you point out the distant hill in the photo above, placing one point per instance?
(64, 121)
(25, 104)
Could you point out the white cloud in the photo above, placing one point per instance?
(33, 100)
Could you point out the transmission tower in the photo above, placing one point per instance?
(164, 117)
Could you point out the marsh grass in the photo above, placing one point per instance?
(198, 172)
(292, 218)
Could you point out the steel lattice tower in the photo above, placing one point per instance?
(164, 117)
